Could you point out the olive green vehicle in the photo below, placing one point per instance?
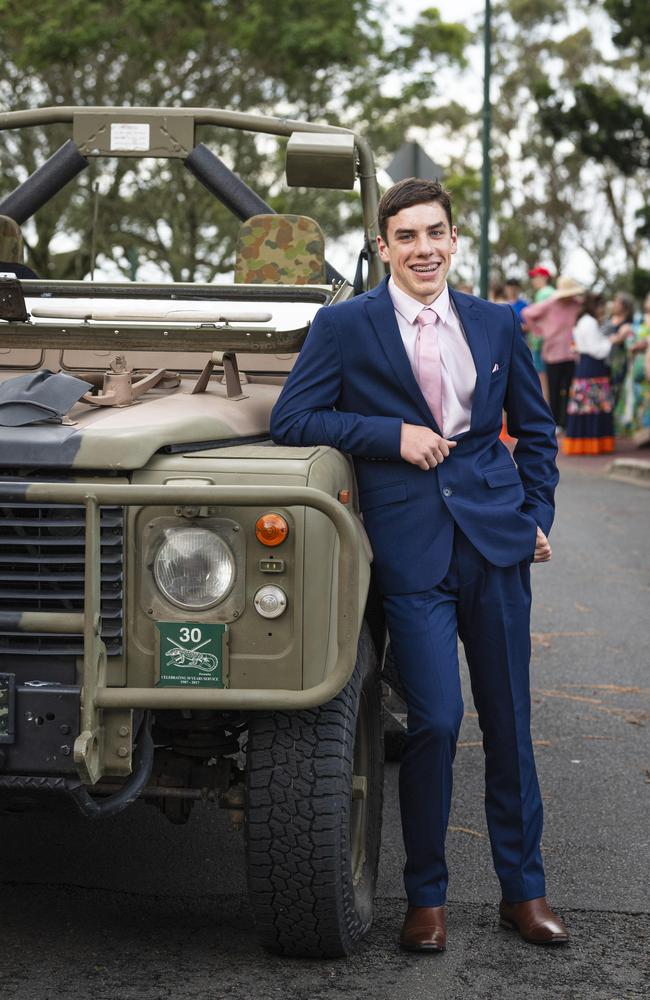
(185, 608)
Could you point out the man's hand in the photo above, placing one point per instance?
(423, 447)
(542, 547)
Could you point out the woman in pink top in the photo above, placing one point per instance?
(554, 320)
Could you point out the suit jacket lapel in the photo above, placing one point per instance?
(477, 338)
(382, 316)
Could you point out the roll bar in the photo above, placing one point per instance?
(173, 128)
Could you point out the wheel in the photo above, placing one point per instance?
(313, 818)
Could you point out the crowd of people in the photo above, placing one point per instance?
(592, 358)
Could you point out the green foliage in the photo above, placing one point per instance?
(640, 283)
(530, 14)
(325, 61)
(643, 215)
(571, 120)
(431, 37)
(603, 124)
(632, 18)
(571, 134)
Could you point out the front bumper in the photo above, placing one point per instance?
(96, 695)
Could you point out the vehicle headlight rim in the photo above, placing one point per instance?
(172, 536)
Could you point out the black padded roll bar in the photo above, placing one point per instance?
(44, 183)
(224, 184)
(231, 190)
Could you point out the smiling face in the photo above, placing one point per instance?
(418, 247)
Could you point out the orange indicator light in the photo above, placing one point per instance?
(271, 529)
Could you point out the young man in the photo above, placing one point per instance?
(411, 379)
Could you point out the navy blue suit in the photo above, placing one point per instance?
(452, 548)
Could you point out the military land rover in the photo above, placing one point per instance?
(184, 606)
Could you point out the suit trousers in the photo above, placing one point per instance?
(489, 608)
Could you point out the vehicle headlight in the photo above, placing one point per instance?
(194, 568)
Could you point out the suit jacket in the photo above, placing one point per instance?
(353, 386)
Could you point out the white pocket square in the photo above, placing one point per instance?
(496, 368)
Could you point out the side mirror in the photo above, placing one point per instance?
(321, 160)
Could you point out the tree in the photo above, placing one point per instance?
(319, 61)
(572, 134)
(632, 20)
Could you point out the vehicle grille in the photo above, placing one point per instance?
(42, 569)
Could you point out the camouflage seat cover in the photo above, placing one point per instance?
(280, 249)
(11, 241)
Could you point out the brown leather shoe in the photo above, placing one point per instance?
(535, 921)
(424, 929)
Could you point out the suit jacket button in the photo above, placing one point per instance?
(447, 492)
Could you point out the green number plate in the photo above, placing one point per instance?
(191, 655)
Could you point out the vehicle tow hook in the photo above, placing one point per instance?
(133, 786)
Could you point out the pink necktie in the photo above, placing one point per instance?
(428, 368)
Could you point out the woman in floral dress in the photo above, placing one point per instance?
(590, 421)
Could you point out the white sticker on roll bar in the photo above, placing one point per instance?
(131, 135)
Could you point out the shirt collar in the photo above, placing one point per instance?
(410, 308)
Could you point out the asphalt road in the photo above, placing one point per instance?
(135, 908)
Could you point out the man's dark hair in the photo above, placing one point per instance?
(591, 303)
(404, 194)
(513, 282)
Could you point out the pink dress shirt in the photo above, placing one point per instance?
(458, 369)
(554, 320)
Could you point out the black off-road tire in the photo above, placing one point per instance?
(312, 834)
